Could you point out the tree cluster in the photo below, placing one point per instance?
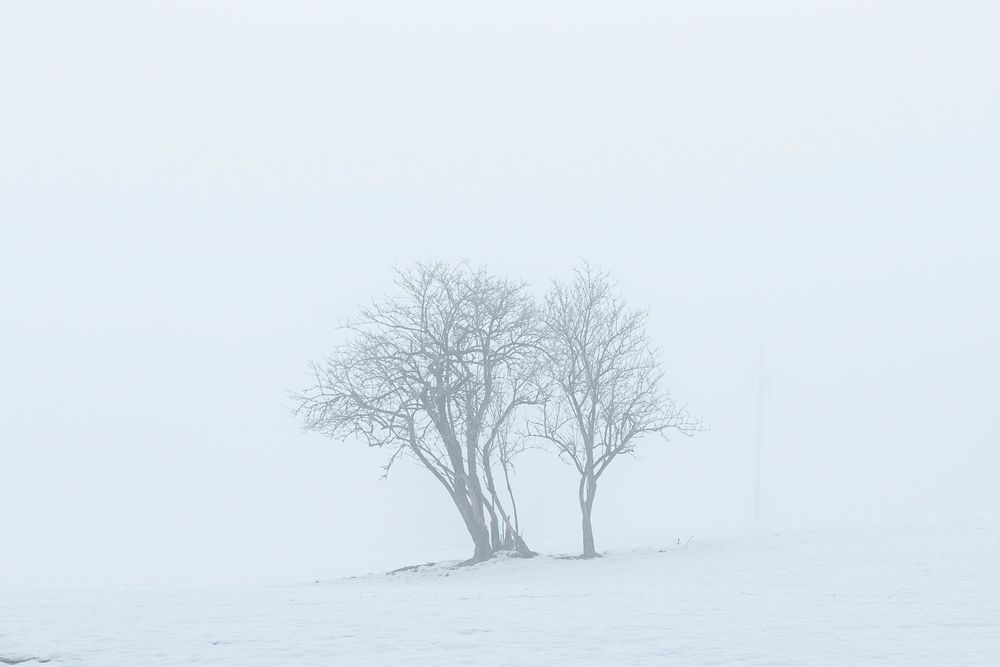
(463, 370)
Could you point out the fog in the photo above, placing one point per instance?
(193, 196)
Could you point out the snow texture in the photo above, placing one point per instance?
(906, 592)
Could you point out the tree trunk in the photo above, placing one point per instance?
(588, 532)
(476, 499)
(588, 487)
(512, 537)
(483, 552)
(495, 530)
(478, 531)
(480, 540)
(498, 542)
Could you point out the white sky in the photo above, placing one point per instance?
(192, 194)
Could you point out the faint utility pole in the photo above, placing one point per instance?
(760, 381)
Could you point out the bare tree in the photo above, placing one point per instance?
(437, 373)
(605, 381)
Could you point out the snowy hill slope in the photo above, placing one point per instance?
(908, 592)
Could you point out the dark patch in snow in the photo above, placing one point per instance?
(412, 568)
(579, 557)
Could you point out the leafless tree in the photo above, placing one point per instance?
(605, 383)
(438, 373)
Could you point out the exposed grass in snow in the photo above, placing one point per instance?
(913, 592)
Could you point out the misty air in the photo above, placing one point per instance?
(540, 333)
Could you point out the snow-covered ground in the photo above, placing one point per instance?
(919, 591)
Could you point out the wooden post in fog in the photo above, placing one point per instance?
(760, 378)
